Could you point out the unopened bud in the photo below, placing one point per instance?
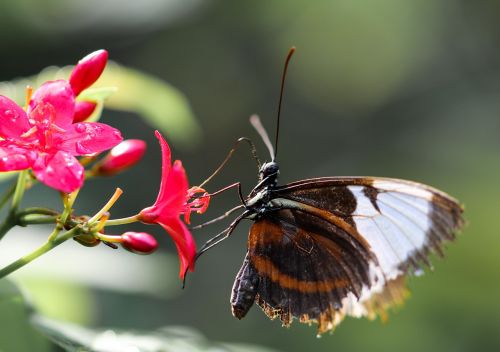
(88, 70)
(139, 242)
(83, 110)
(121, 157)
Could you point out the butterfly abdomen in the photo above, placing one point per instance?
(244, 289)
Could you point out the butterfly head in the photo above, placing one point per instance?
(269, 171)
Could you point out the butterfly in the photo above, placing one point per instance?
(324, 248)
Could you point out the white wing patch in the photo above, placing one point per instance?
(407, 188)
(396, 228)
(397, 219)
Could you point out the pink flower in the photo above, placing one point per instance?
(174, 199)
(123, 156)
(45, 139)
(139, 242)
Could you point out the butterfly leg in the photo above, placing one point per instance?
(222, 217)
(236, 184)
(221, 236)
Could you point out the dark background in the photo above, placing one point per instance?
(406, 89)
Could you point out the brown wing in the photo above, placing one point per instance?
(402, 221)
(341, 246)
(299, 265)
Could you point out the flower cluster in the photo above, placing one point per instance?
(47, 135)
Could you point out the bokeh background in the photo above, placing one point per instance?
(399, 88)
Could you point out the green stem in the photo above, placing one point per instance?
(7, 195)
(53, 236)
(19, 192)
(35, 219)
(7, 225)
(37, 211)
(68, 206)
(46, 247)
(122, 221)
(109, 238)
(11, 219)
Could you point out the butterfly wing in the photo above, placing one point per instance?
(341, 246)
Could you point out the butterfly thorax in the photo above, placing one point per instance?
(259, 199)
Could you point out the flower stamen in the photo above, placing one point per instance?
(199, 204)
(29, 94)
(29, 133)
(106, 207)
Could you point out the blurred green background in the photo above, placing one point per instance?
(399, 88)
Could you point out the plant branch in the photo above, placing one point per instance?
(46, 247)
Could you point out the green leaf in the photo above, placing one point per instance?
(97, 94)
(16, 333)
(75, 338)
(157, 102)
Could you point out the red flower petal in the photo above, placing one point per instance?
(13, 119)
(166, 160)
(186, 247)
(13, 158)
(172, 197)
(83, 110)
(174, 193)
(60, 95)
(88, 70)
(170, 204)
(86, 138)
(61, 171)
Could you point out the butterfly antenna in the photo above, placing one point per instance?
(255, 121)
(253, 150)
(282, 89)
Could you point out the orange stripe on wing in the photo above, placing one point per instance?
(265, 267)
(264, 232)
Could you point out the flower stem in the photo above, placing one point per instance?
(19, 192)
(122, 221)
(53, 235)
(109, 238)
(69, 200)
(46, 247)
(12, 218)
(7, 195)
(36, 219)
(37, 211)
(7, 224)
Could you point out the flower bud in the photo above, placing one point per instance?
(121, 157)
(139, 242)
(83, 110)
(88, 70)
